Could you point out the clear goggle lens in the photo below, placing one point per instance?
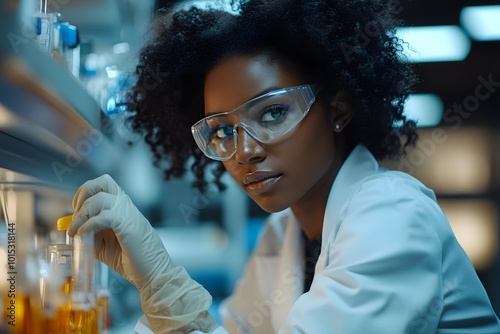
(266, 118)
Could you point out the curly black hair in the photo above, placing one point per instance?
(341, 44)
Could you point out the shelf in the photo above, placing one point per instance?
(50, 127)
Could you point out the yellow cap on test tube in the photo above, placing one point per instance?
(63, 222)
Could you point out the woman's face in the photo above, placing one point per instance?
(296, 167)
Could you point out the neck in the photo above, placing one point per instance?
(310, 217)
(310, 210)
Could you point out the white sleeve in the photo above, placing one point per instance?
(142, 327)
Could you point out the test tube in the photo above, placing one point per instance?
(83, 264)
(61, 259)
(58, 286)
(103, 295)
(83, 316)
(75, 262)
(61, 255)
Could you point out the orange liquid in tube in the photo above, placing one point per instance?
(22, 304)
(103, 312)
(24, 313)
(36, 321)
(15, 313)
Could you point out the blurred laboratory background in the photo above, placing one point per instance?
(65, 66)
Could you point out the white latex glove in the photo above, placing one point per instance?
(126, 242)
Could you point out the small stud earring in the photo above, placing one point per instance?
(337, 127)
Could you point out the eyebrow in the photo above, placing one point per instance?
(265, 91)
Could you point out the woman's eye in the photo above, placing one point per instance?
(224, 131)
(273, 113)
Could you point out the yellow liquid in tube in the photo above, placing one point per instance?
(104, 318)
(24, 316)
(71, 317)
(80, 321)
(24, 313)
(71, 321)
(15, 313)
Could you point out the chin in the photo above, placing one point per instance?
(269, 205)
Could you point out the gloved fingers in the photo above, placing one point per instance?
(100, 244)
(103, 183)
(108, 250)
(102, 221)
(125, 249)
(90, 208)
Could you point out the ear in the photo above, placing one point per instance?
(341, 112)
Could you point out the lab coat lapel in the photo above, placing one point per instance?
(359, 165)
(290, 274)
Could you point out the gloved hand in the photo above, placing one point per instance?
(126, 242)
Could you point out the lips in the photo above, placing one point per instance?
(260, 182)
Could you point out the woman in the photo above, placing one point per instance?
(297, 100)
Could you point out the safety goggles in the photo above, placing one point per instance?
(266, 118)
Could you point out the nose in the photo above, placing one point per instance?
(248, 150)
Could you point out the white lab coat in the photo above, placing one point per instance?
(389, 263)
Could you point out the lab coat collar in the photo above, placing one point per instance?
(359, 165)
(290, 271)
